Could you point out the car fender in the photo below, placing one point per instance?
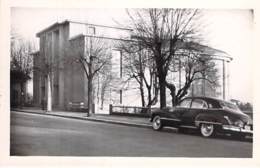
(208, 118)
(158, 112)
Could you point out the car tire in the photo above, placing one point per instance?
(207, 130)
(157, 123)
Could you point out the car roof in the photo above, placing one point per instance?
(204, 98)
(212, 100)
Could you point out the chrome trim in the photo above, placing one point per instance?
(173, 119)
(207, 122)
(237, 129)
(188, 126)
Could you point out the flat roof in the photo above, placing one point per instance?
(206, 50)
(77, 22)
(51, 27)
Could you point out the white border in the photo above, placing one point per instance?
(7, 161)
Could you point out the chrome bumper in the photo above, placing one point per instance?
(236, 129)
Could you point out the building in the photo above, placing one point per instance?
(220, 60)
(62, 42)
(69, 82)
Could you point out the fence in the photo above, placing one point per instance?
(130, 110)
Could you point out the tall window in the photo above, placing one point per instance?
(117, 63)
(91, 30)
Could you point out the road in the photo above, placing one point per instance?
(38, 135)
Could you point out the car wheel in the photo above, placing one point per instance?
(207, 130)
(157, 123)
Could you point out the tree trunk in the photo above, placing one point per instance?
(149, 96)
(141, 79)
(102, 103)
(162, 87)
(183, 91)
(21, 100)
(172, 89)
(49, 97)
(173, 98)
(161, 73)
(103, 90)
(102, 96)
(142, 96)
(90, 96)
(142, 92)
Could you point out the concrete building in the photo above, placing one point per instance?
(220, 60)
(62, 42)
(58, 53)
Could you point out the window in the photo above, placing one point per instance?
(210, 105)
(117, 63)
(185, 103)
(91, 30)
(198, 103)
(227, 105)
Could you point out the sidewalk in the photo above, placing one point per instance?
(114, 119)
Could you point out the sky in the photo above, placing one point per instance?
(228, 30)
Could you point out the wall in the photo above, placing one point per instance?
(76, 79)
(36, 80)
(77, 28)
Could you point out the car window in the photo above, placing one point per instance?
(198, 103)
(185, 103)
(227, 105)
(210, 105)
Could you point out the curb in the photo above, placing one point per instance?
(90, 119)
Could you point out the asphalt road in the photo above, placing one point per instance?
(38, 135)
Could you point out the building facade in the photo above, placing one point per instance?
(62, 43)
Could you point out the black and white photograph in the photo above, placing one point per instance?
(147, 82)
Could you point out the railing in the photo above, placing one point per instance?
(130, 110)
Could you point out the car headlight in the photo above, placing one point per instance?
(239, 123)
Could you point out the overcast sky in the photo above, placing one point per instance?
(228, 30)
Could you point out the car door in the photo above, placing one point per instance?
(182, 108)
(168, 116)
(197, 106)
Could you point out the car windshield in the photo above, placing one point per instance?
(228, 105)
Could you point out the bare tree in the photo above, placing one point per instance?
(21, 62)
(138, 65)
(21, 59)
(195, 65)
(93, 56)
(48, 66)
(106, 79)
(103, 80)
(159, 31)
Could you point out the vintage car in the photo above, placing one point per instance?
(208, 115)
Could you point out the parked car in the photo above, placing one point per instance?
(208, 115)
